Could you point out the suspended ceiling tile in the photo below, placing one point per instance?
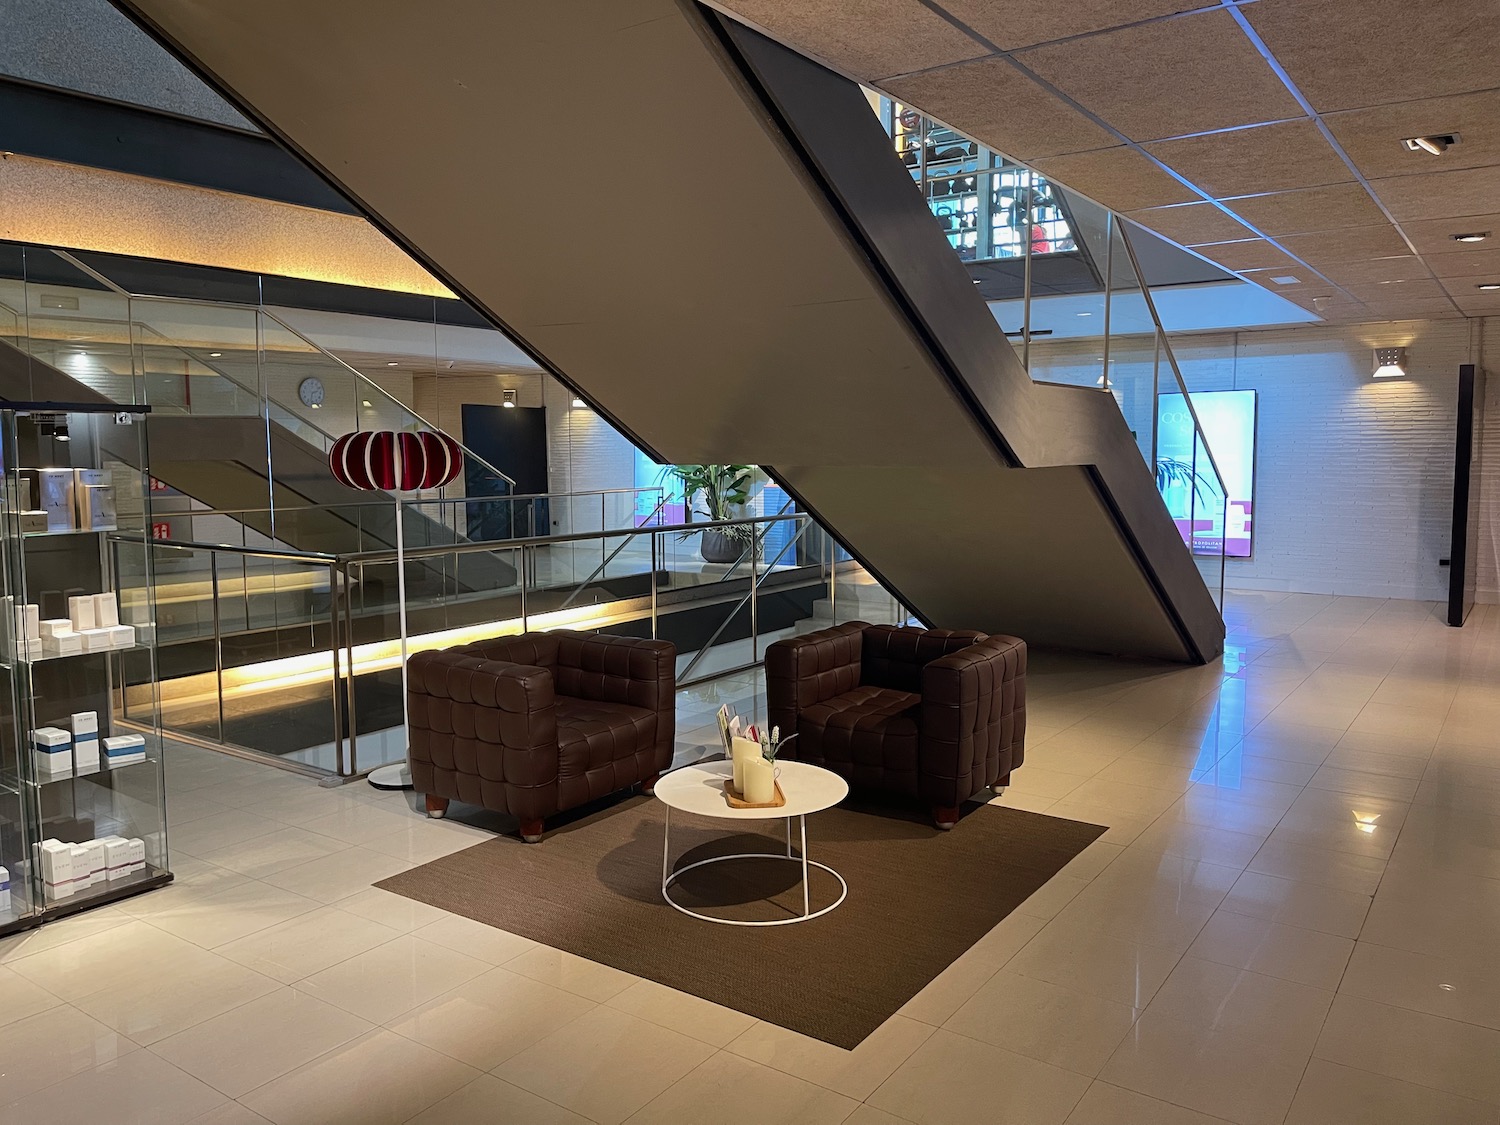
(1292, 154)
(1117, 177)
(1435, 236)
(1167, 78)
(1467, 288)
(1354, 244)
(1292, 282)
(1461, 193)
(866, 38)
(1349, 54)
(1305, 212)
(1480, 305)
(1483, 264)
(1412, 309)
(1021, 23)
(995, 102)
(1372, 137)
(1251, 254)
(1392, 291)
(1407, 267)
(1192, 224)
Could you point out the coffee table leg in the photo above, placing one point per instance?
(789, 837)
(666, 851)
(806, 908)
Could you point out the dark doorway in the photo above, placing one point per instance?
(513, 440)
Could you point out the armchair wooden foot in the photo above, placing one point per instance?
(649, 785)
(945, 818)
(531, 831)
(437, 806)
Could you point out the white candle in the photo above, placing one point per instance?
(742, 750)
(760, 781)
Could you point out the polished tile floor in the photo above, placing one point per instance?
(1293, 918)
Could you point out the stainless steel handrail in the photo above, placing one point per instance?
(600, 569)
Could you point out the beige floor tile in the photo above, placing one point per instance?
(713, 1023)
(427, 840)
(46, 1048)
(869, 1115)
(1123, 826)
(393, 910)
(1023, 801)
(1271, 795)
(1339, 1095)
(359, 824)
(736, 1091)
(1052, 896)
(1342, 870)
(1080, 957)
(378, 1079)
(230, 1113)
(1123, 797)
(486, 1020)
(1266, 1009)
(1045, 1021)
(20, 997)
(1413, 1047)
(854, 1074)
(337, 876)
(1274, 769)
(954, 1080)
(1468, 991)
(149, 1011)
(488, 943)
(1292, 903)
(950, 989)
(571, 973)
(307, 943)
(382, 983)
(1461, 930)
(1137, 768)
(1262, 946)
(250, 1045)
(1111, 1105)
(1359, 753)
(1197, 842)
(1358, 783)
(1038, 781)
(605, 1065)
(1214, 1072)
(273, 852)
(1398, 721)
(1450, 839)
(111, 957)
(229, 914)
(212, 834)
(493, 1102)
(1218, 808)
(28, 943)
(137, 1087)
(1148, 912)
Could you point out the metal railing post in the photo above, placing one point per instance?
(213, 570)
(339, 762)
(755, 541)
(654, 597)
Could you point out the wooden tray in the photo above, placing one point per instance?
(738, 802)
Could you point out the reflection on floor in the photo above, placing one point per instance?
(1292, 919)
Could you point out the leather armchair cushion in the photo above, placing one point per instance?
(602, 748)
(894, 657)
(868, 735)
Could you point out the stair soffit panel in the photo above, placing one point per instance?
(1236, 98)
(799, 330)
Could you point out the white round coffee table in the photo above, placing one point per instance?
(700, 790)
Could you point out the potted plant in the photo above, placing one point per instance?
(1174, 479)
(724, 489)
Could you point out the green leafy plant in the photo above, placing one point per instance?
(1174, 471)
(722, 490)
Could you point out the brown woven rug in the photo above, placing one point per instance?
(918, 898)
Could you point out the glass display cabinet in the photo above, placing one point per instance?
(82, 813)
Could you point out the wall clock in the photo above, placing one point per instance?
(310, 391)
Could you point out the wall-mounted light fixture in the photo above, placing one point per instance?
(579, 404)
(1434, 143)
(1390, 363)
(508, 399)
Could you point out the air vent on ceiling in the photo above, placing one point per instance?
(57, 301)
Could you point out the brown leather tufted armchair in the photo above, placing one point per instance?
(535, 724)
(938, 714)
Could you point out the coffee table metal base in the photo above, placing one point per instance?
(668, 877)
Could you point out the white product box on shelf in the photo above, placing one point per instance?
(30, 648)
(53, 626)
(52, 750)
(123, 750)
(4, 891)
(116, 857)
(32, 522)
(55, 497)
(94, 863)
(122, 636)
(30, 621)
(62, 644)
(59, 872)
(81, 612)
(85, 742)
(96, 640)
(136, 854)
(93, 499)
(106, 611)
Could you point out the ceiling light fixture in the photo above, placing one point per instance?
(1390, 363)
(214, 355)
(393, 363)
(508, 399)
(1489, 285)
(1287, 280)
(1472, 236)
(579, 404)
(1434, 143)
(364, 402)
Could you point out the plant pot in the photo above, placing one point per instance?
(716, 547)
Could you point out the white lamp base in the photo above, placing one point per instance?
(396, 776)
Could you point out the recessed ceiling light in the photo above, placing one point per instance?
(1474, 236)
(214, 355)
(393, 363)
(1489, 285)
(1434, 143)
(1287, 280)
(1085, 314)
(364, 402)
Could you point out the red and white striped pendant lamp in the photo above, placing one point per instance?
(395, 462)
